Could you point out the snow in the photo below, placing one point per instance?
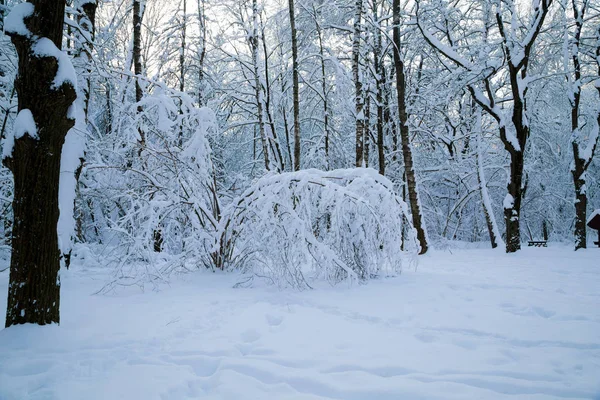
(24, 125)
(512, 139)
(509, 202)
(468, 324)
(14, 23)
(45, 47)
(73, 151)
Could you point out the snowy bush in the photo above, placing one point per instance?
(154, 203)
(294, 228)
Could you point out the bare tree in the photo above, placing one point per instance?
(515, 131)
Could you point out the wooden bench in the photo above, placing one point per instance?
(537, 243)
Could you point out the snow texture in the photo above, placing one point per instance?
(45, 47)
(509, 202)
(471, 324)
(14, 23)
(24, 125)
(73, 151)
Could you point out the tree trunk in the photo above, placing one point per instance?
(358, 96)
(581, 161)
(137, 61)
(182, 66)
(488, 211)
(202, 50)
(411, 182)
(2, 5)
(71, 168)
(295, 84)
(323, 90)
(34, 285)
(379, 72)
(257, 89)
(273, 139)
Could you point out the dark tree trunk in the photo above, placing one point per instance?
(295, 84)
(411, 181)
(379, 72)
(2, 5)
(34, 286)
(273, 139)
(580, 162)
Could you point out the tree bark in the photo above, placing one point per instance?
(379, 72)
(490, 219)
(411, 181)
(86, 20)
(295, 84)
(34, 285)
(358, 91)
(581, 162)
(182, 66)
(257, 88)
(137, 61)
(202, 55)
(273, 139)
(2, 5)
(323, 88)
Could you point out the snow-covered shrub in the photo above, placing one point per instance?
(296, 227)
(153, 202)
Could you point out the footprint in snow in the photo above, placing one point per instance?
(425, 338)
(250, 336)
(274, 320)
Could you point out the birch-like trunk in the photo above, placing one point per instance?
(411, 181)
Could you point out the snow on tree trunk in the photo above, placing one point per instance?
(46, 87)
(73, 152)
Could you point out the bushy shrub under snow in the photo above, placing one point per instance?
(294, 228)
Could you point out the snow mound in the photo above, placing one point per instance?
(45, 47)
(14, 23)
(24, 125)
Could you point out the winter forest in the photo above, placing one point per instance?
(203, 167)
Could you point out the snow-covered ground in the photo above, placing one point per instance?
(471, 324)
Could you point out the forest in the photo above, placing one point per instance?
(292, 143)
